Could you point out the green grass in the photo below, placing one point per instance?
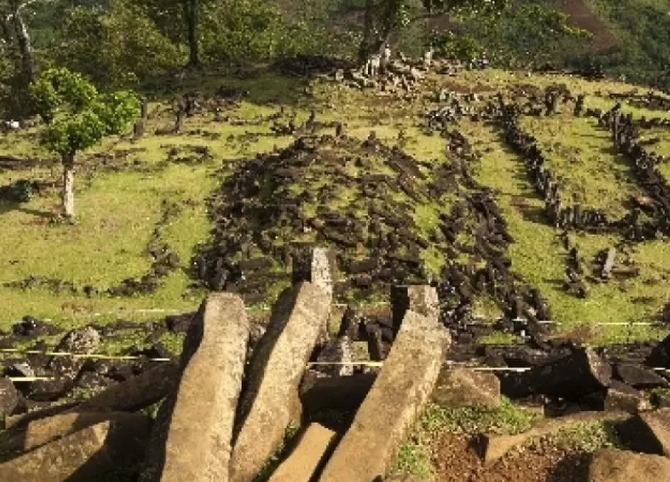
(537, 253)
(415, 454)
(580, 155)
(588, 437)
(118, 206)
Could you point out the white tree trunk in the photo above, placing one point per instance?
(68, 188)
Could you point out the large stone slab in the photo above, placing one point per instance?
(571, 377)
(420, 299)
(621, 397)
(613, 465)
(496, 446)
(192, 437)
(9, 397)
(299, 318)
(43, 431)
(83, 455)
(308, 456)
(402, 388)
(464, 387)
(135, 393)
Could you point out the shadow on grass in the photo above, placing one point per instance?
(10, 206)
(264, 85)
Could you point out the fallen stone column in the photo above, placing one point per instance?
(192, 434)
(279, 361)
(402, 388)
(41, 432)
(83, 455)
(307, 457)
(135, 393)
(570, 377)
(496, 446)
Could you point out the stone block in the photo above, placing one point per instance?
(81, 456)
(299, 319)
(463, 387)
(397, 397)
(307, 458)
(191, 440)
(612, 465)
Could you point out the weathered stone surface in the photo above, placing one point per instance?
(312, 450)
(639, 377)
(419, 298)
(402, 388)
(45, 430)
(621, 397)
(613, 465)
(191, 440)
(570, 377)
(316, 265)
(83, 455)
(496, 446)
(299, 318)
(23, 419)
(9, 397)
(462, 387)
(135, 393)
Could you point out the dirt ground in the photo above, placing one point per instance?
(455, 460)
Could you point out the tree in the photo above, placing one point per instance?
(385, 17)
(78, 117)
(115, 46)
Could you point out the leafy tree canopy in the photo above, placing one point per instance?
(78, 116)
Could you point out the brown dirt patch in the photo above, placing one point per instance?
(581, 16)
(456, 460)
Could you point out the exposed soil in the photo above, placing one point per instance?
(455, 460)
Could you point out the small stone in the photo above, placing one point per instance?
(462, 387)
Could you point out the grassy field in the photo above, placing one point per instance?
(120, 201)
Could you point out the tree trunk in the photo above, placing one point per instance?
(25, 47)
(368, 31)
(191, 17)
(68, 186)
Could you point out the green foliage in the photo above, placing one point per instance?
(505, 418)
(413, 459)
(528, 32)
(116, 46)
(238, 30)
(588, 437)
(21, 191)
(642, 32)
(78, 116)
(58, 88)
(449, 45)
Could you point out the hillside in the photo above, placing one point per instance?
(214, 207)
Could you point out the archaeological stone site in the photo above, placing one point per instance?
(347, 241)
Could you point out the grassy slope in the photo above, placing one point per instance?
(118, 210)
